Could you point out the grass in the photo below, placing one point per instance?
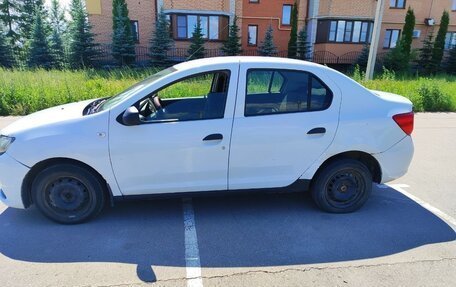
(25, 91)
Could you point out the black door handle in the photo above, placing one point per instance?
(214, 137)
(316, 131)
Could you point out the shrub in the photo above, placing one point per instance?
(433, 99)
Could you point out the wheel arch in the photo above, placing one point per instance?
(26, 188)
(367, 159)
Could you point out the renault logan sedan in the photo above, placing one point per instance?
(221, 124)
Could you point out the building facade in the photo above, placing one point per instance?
(337, 29)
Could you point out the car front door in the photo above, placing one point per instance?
(182, 142)
(285, 119)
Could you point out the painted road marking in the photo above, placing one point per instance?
(428, 206)
(192, 259)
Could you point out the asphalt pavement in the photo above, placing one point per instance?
(404, 235)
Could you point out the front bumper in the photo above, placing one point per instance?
(12, 174)
(395, 162)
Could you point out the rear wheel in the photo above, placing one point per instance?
(68, 194)
(342, 186)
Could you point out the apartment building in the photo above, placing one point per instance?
(337, 29)
(340, 28)
(257, 15)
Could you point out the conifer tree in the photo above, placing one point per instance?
(267, 47)
(425, 63)
(407, 34)
(123, 43)
(6, 56)
(303, 46)
(161, 42)
(196, 49)
(58, 26)
(27, 17)
(82, 49)
(439, 44)
(9, 16)
(39, 54)
(292, 43)
(363, 58)
(232, 46)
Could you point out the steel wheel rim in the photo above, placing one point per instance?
(68, 197)
(345, 188)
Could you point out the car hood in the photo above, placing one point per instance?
(55, 115)
(390, 97)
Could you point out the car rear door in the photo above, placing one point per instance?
(285, 118)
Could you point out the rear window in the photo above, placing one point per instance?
(284, 91)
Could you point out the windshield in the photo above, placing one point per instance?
(136, 87)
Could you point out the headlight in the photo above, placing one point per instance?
(5, 142)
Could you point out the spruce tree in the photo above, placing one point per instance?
(82, 49)
(161, 42)
(439, 44)
(361, 62)
(9, 17)
(6, 56)
(451, 63)
(267, 47)
(302, 45)
(232, 46)
(395, 60)
(39, 53)
(425, 63)
(27, 17)
(407, 34)
(292, 43)
(58, 26)
(196, 49)
(123, 43)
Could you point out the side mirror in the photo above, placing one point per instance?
(131, 117)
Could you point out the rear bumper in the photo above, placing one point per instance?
(12, 174)
(395, 161)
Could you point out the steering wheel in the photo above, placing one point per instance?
(158, 106)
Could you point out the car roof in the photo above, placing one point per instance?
(242, 59)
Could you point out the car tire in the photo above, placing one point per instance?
(342, 186)
(68, 194)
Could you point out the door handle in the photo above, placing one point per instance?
(214, 137)
(315, 131)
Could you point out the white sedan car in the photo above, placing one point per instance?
(220, 124)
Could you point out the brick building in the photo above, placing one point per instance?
(337, 29)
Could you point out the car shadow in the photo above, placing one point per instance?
(233, 231)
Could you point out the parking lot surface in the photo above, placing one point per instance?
(405, 235)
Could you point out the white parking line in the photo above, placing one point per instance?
(428, 206)
(192, 259)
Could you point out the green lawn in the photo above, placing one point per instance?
(24, 92)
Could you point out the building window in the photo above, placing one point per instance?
(345, 31)
(135, 30)
(453, 6)
(254, 1)
(398, 4)
(184, 25)
(391, 38)
(252, 35)
(286, 14)
(181, 26)
(450, 40)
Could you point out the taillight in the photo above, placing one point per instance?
(405, 122)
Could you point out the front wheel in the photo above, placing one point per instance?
(343, 186)
(68, 194)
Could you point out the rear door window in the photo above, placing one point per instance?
(284, 91)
